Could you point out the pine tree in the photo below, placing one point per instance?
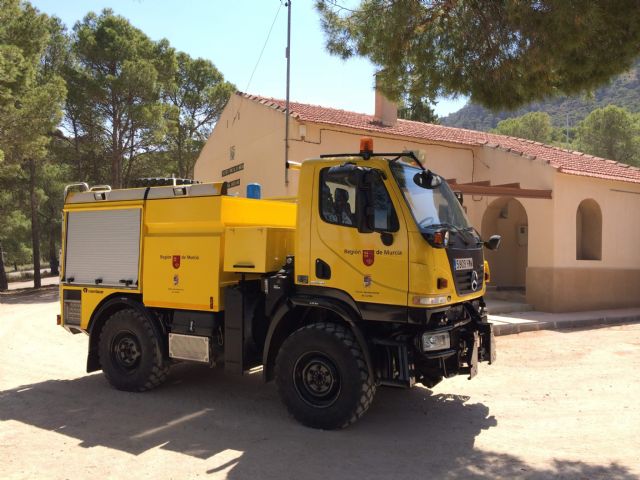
(501, 54)
(31, 96)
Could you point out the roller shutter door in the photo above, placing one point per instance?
(103, 247)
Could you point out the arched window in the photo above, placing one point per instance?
(589, 231)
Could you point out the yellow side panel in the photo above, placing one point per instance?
(182, 253)
(303, 234)
(247, 211)
(257, 249)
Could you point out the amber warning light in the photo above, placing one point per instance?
(366, 146)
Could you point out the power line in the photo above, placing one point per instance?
(263, 48)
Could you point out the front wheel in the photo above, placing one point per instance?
(130, 352)
(322, 376)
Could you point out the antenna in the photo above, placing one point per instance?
(286, 116)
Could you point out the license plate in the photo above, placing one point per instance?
(464, 263)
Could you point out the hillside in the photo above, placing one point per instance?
(623, 91)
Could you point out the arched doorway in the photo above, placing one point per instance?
(507, 217)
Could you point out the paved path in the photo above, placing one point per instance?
(29, 283)
(519, 322)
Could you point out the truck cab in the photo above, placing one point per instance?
(372, 277)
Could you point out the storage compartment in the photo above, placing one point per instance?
(257, 249)
(103, 247)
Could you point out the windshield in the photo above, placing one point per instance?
(429, 206)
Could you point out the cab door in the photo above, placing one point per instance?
(370, 267)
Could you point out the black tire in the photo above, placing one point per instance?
(130, 352)
(322, 376)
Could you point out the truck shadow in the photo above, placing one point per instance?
(203, 412)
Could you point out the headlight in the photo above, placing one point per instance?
(435, 341)
(424, 300)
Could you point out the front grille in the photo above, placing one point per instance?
(463, 279)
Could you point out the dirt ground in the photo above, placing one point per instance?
(555, 405)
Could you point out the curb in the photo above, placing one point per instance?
(515, 328)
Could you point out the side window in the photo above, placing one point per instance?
(337, 199)
(386, 219)
(338, 202)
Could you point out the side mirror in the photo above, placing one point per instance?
(427, 179)
(493, 243)
(365, 206)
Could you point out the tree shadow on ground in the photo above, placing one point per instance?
(30, 296)
(203, 412)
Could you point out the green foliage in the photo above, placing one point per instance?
(118, 74)
(197, 95)
(623, 91)
(500, 54)
(14, 224)
(31, 97)
(533, 126)
(418, 109)
(611, 132)
(15, 238)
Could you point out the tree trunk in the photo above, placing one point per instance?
(35, 225)
(181, 169)
(53, 254)
(115, 161)
(116, 151)
(3, 275)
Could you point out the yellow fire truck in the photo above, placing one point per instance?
(371, 276)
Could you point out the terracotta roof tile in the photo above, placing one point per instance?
(566, 161)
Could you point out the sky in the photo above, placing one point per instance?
(232, 35)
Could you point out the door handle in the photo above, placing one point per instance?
(323, 270)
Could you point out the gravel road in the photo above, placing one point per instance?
(555, 405)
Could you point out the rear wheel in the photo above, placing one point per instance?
(322, 376)
(130, 352)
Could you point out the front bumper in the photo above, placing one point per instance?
(469, 345)
(451, 341)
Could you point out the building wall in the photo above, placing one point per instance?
(570, 284)
(256, 133)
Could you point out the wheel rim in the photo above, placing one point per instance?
(316, 379)
(126, 351)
